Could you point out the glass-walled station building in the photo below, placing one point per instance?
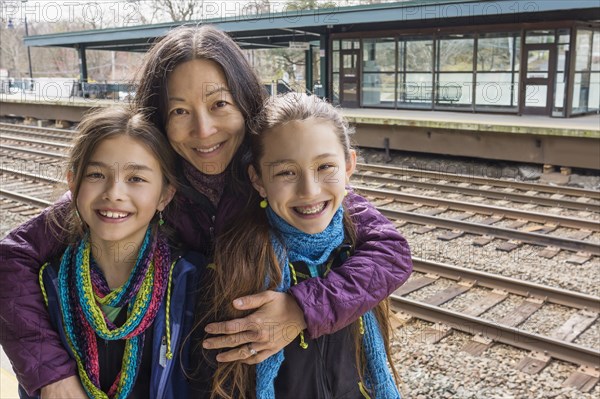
(540, 68)
(503, 56)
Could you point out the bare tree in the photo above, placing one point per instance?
(179, 10)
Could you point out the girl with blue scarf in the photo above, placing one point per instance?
(302, 162)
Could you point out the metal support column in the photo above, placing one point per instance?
(325, 55)
(308, 69)
(83, 74)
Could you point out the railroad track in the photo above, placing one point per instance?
(477, 189)
(24, 131)
(487, 291)
(433, 289)
(454, 205)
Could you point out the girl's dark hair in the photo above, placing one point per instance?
(244, 257)
(94, 128)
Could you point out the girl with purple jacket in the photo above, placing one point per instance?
(295, 229)
(119, 297)
(198, 88)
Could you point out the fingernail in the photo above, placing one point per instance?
(238, 302)
(209, 329)
(206, 345)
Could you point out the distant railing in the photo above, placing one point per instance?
(12, 86)
(280, 86)
(424, 93)
(112, 91)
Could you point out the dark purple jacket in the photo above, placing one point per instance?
(380, 264)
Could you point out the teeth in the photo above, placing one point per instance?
(207, 150)
(113, 215)
(311, 210)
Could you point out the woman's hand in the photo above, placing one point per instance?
(261, 334)
(68, 388)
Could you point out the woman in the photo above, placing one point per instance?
(198, 87)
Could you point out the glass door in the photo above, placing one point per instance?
(349, 78)
(538, 78)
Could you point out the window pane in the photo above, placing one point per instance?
(561, 60)
(559, 91)
(535, 95)
(415, 54)
(494, 89)
(378, 89)
(586, 91)
(496, 53)
(539, 36)
(455, 54)
(584, 50)
(349, 64)
(454, 88)
(336, 88)
(415, 90)
(379, 55)
(538, 62)
(594, 101)
(336, 45)
(564, 36)
(596, 51)
(336, 61)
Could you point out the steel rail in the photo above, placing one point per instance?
(483, 209)
(32, 151)
(578, 192)
(499, 232)
(25, 198)
(34, 141)
(514, 286)
(514, 197)
(32, 176)
(4, 125)
(491, 330)
(62, 137)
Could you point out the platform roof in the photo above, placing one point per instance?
(272, 30)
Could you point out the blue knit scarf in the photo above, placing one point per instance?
(314, 250)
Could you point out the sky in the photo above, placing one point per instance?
(107, 13)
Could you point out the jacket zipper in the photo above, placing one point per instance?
(211, 229)
(162, 385)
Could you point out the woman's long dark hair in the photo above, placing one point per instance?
(192, 42)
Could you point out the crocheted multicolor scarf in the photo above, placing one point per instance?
(314, 250)
(83, 290)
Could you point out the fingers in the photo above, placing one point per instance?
(247, 353)
(229, 327)
(253, 301)
(259, 357)
(230, 341)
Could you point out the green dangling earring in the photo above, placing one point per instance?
(161, 221)
(345, 193)
(264, 203)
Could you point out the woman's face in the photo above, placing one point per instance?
(204, 124)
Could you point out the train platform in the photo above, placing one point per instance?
(8, 381)
(581, 126)
(561, 142)
(564, 142)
